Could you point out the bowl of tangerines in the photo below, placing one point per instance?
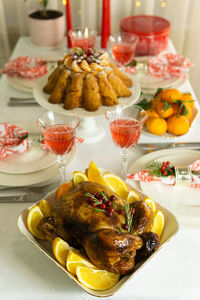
(170, 113)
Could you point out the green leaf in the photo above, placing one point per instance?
(99, 210)
(157, 92)
(166, 106)
(144, 103)
(132, 64)
(185, 112)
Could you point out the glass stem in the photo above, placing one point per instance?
(124, 163)
(61, 161)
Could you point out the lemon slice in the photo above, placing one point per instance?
(79, 177)
(34, 217)
(75, 259)
(45, 208)
(98, 280)
(133, 196)
(151, 204)
(159, 223)
(116, 184)
(60, 249)
(94, 174)
(75, 66)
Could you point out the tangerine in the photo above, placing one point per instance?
(178, 125)
(160, 108)
(175, 107)
(156, 126)
(189, 112)
(188, 99)
(170, 95)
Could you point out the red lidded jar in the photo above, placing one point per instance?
(153, 33)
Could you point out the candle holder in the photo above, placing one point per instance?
(83, 38)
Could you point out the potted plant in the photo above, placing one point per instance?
(46, 26)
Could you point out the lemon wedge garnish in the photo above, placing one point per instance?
(45, 208)
(116, 184)
(78, 177)
(75, 259)
(151, 204)
(133, 196)
(159, 223)
(98, 280)
(94, 174)
(34, 217)
(60, 249)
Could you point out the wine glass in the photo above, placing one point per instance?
(126, 127)
(59, 133)
(123, 47)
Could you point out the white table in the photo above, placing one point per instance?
(25, 273)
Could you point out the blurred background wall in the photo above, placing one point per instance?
(184, 16)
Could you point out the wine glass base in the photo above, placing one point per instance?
(90, 131)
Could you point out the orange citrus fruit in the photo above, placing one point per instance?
(156, 126)
(63, 189)
(45, 208)
(170, 95)
(94, 174)
(159, 223)
(116, 184)
(151, 204)
(164, 113)
(60, 249)
(178, 125)
(75, 259)
(34, 217)
(78, 177)
(133, 196)
(187, 98)
(98, 280)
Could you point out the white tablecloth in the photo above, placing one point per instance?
(25, 273)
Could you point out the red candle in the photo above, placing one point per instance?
(69, 23)
(105, 23)
(86, 39)
(109, 21)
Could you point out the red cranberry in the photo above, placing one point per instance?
(109, 203)
(102, 206)
(100, 200)
(110, 211)
(132, 210)
(94, 204)
(168, 162)
(90, 199)
(162, 168)
(165, 173)
(112, 198)
(120, 212)
(97, 195)
(125, 226)
(164, 163)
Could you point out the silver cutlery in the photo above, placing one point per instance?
(31, 189)
(21, 99)
(22, 198)
(22, 103)
(160, 146)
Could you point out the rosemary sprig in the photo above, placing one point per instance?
(93, 197)
(154, 168)
(99, 210)
(129, 216)
(105, 196)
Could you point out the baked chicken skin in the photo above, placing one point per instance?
(107, 245)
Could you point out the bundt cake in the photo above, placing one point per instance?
(87, 80)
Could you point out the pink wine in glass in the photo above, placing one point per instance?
(59, 138)
(123, 53)
(125, 132)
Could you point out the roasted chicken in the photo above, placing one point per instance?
(106, 243)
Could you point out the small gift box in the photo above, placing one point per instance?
(167, 174)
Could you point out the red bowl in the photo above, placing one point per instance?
(153, 33)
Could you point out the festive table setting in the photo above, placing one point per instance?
(100, 166)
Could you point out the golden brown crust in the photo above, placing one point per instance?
(52, 79)
(91, 94)
(59, 89)
(74, 91)
(127, 81)
(119, 87)
(109, 97)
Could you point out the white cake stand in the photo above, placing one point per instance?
(88, 128)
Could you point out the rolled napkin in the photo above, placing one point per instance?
(163, 66)
(26, 67)
(14, 139)
(167, 174)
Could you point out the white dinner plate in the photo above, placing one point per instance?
(27, 162)
(17, 83)
(43, 175)
(42, 99)
(183, 201)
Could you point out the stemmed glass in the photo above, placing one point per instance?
(123, 47)
(126, 127)
(59, 133)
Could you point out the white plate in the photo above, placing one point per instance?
(30, 161)
(42, 99)
(183, 201)
(35, 177)
(170, 229)
(17, 83)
